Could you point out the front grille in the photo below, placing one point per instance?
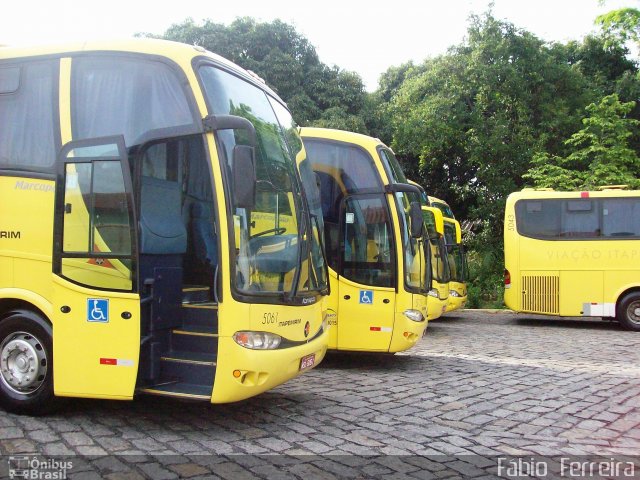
(540, 294)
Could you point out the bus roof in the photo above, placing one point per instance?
(180, 53)
(342, 136)
(437, 200)
(604, 192)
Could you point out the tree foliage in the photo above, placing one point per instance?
(600, 152)
(473, 118)
(621, 25)
(472, 125)
(288, 63)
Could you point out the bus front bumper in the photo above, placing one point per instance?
(406, 333)
(243, 373)
(456, 303)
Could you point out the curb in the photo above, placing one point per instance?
(489, 310)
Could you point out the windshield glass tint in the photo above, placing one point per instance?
(392, 167)
(438, 252)
(340, 169)
(454, 253)
(316, 270)
(588, 218)
(267, 236)
(444, 208)
(117, 95)
(415, 260)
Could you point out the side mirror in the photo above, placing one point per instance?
(244, 176)
(458, 232)
(244, 164)
(213, 123)
(438, 219)
(415, 216)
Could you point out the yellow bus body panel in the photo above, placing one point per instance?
(108, 350)
(457, 303)
(100, 359)
(406, 332)
(379, 326)
(567, 277)
(261, 370)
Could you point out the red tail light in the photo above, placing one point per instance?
(507, 278)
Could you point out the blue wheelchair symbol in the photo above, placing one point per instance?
(97, 310)
(366, 296)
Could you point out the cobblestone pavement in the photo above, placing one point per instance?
(479, 385)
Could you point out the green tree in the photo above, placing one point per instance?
(601, 153)
(466, 124)
(285, 59)
(471, 119)
(621, 25)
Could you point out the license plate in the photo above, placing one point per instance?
(308, 361)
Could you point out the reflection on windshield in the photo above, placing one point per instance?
(270, 240)
(439, 258)
(415, 250)
(316, 268)
(391, 165)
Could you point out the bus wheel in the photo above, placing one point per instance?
(629, 312)
(26, 363)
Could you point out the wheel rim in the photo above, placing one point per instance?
(633, 312)
(23, 363)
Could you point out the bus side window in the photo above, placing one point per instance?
(538, 219)
(580, 219)
(27, 116)
(621, 217)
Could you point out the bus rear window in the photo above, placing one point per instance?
(569, 219)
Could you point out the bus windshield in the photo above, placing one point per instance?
(455, 253)
(269, 246)
(317, 273)
(392, 167)
(441, 261)
(444, 208)
(416, 250)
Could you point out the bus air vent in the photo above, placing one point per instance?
(540, 294)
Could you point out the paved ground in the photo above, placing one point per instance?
(478, 386)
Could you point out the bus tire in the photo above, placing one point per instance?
(26, 363)
(628, 313)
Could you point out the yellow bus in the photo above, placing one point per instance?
(439, 292)
(457, 256)
(156, 234)
(458, 267)
(574, 254)
(442, 206)
(379, 271)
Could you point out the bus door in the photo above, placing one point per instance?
(366, 302)
(96, 314)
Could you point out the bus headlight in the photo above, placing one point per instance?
(415, 315)
(433, 293)
(257, 340)
(453, 293)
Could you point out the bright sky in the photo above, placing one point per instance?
(366, 36)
